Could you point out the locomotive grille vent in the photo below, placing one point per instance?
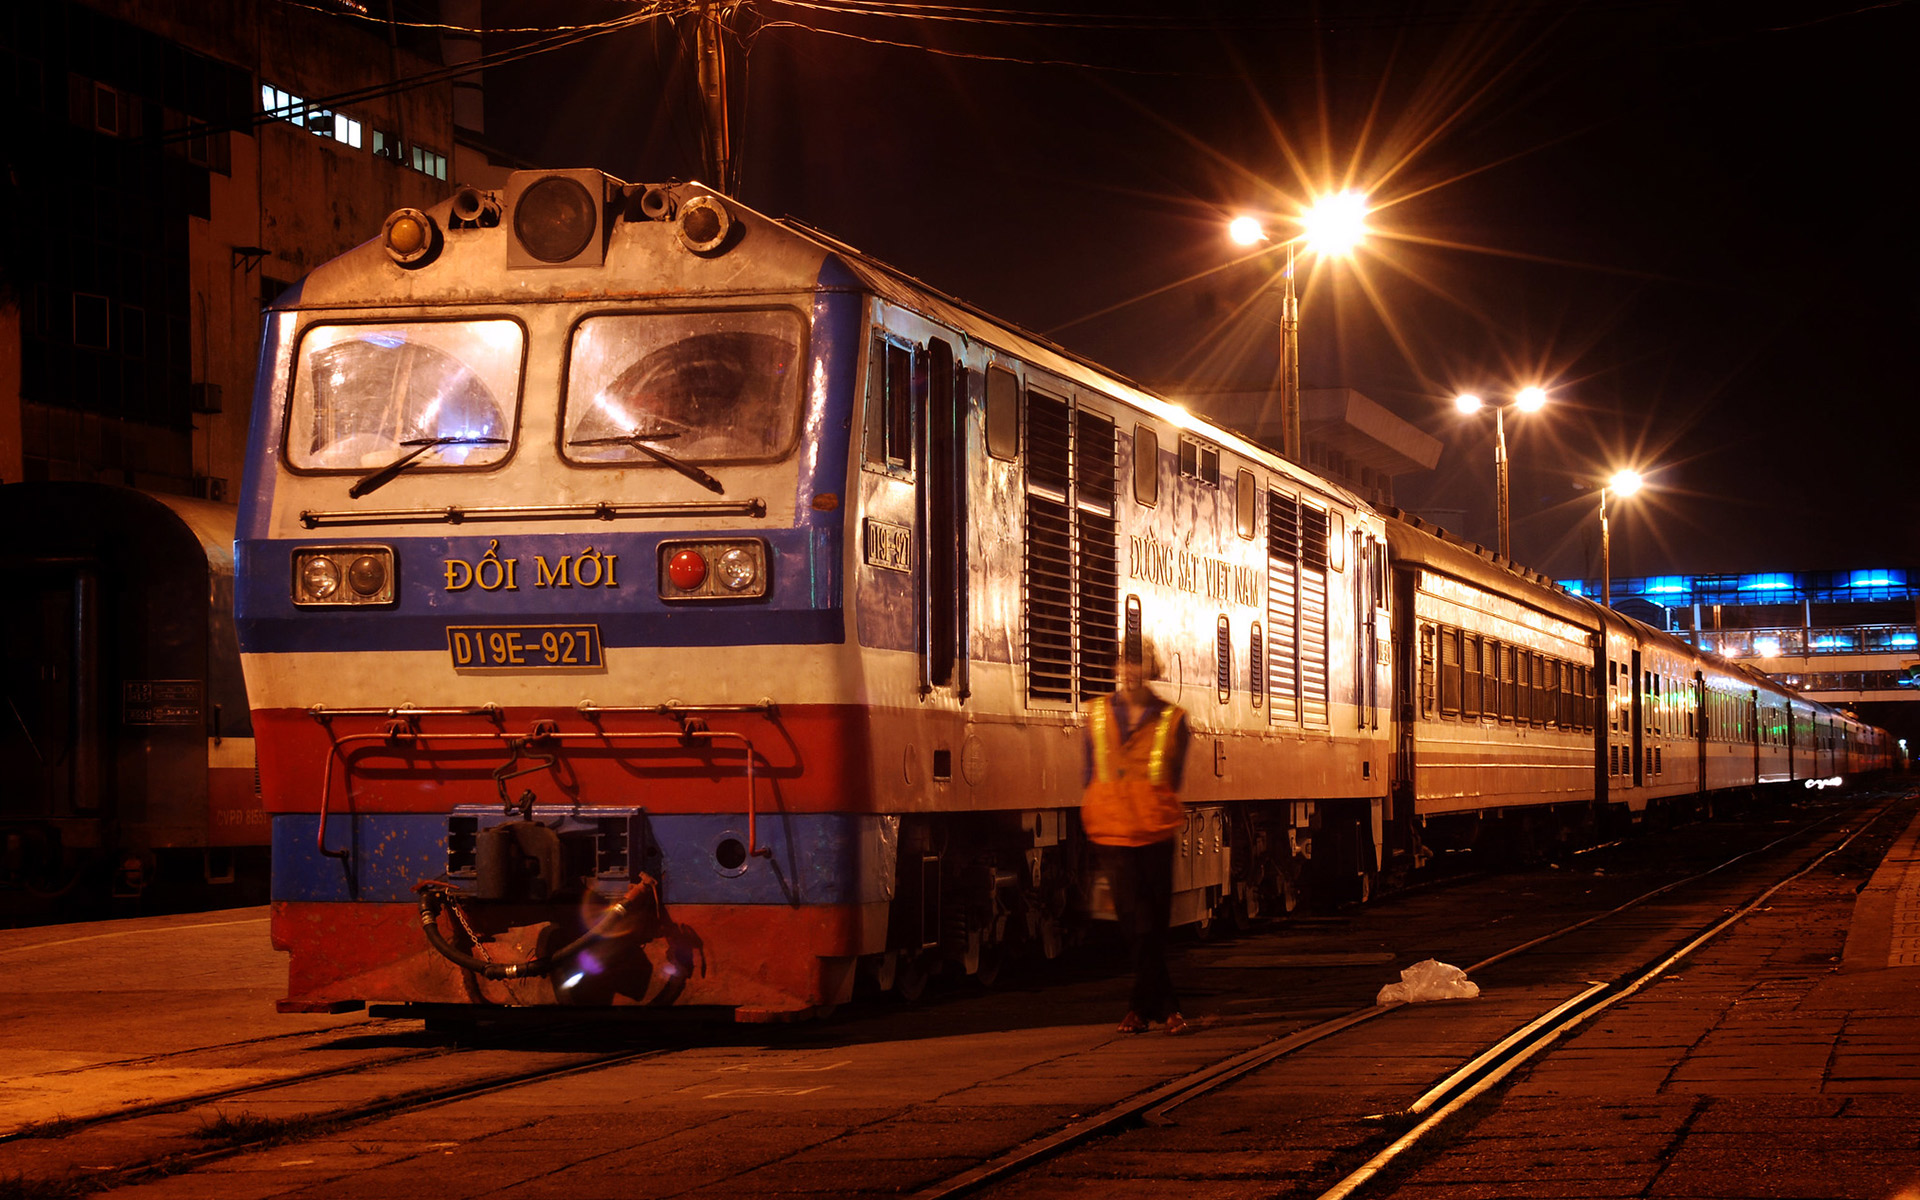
(1072, 552)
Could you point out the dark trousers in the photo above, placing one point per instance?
(1142, 881)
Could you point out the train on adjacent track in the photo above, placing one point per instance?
(125, 724)
(647, 602)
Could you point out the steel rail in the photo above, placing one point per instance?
(67, 1125)
(409, 1101)
(1481, 1075)
(1156, 1102)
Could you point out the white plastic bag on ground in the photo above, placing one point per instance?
(1429, 980)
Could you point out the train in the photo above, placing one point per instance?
(126, 725)
(647, 603)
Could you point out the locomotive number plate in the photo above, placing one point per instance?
(524, 647)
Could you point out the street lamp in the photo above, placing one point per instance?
(1623, 484)
(1527, 400)
(1333, 225)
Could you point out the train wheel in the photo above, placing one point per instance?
(911, 974)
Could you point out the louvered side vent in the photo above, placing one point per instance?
(1256, 666)
(1097, 550)
(1283, 570)
(1223, 659)
(1313, 616)
(1049, 550)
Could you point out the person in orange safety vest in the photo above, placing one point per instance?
(1136, 753)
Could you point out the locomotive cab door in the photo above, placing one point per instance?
(942, 511)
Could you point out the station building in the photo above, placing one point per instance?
(170, 168)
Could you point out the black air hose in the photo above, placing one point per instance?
(435, 895)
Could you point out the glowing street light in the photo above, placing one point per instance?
(1528, 400)
(1336, 224)
(1332, 225)
(1623, 484)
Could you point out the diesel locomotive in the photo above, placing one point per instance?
(647, 602)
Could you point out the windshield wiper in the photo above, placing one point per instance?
(385, 475)
(639, 438)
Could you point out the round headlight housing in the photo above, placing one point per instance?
(367, 575)
(320, 578)
(737, 569)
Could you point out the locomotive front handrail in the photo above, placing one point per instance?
(599, 510)
(323, 714)
(542, 731)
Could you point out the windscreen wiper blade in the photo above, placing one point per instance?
(639, 438)
(385, 475)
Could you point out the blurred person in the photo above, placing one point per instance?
(1136, 757)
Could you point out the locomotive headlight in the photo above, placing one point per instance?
(343, 575)
(738, 569)
(723, 569)
(367, 575)
(319, 579)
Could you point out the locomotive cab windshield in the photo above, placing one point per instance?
(365, 396)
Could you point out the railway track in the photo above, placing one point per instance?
(192, 1131)
(1429, 1113)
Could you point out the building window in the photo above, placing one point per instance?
(283, 105)
(387, 146)
(427, 162)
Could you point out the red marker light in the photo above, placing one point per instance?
(687, 570)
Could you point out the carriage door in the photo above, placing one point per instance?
(50, 669)
(942, 511)
(1369, 601)
(1639, 718)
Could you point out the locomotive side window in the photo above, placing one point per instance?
(1146, 465)
(1003, 413)
(700, 386)
(1200, 462)
(363, 395)
(888, 428)
(1243, 502)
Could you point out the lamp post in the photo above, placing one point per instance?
(1527, 399)
(1333, 225)
(1622, 483)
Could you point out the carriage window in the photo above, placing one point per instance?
(1003, 413)
(1471, 673)
(1449, 671)
(701, 386)
(365, 394)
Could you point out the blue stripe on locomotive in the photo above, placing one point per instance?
(802, 607)
(818, 858)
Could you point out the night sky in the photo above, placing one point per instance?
(1685, 220)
